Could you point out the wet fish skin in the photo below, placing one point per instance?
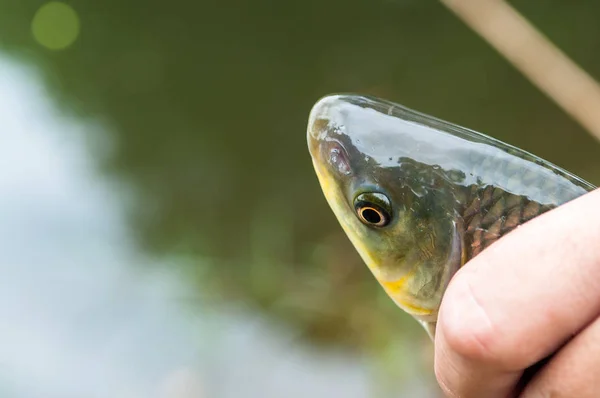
(441, 193)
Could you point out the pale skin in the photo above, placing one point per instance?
(533, 295)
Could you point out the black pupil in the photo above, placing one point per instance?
(371, 216)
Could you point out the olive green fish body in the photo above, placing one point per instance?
(419, 197)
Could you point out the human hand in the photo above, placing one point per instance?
(533, 294)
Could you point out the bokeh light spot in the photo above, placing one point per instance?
(55, 25)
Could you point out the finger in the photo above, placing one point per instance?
(519, 300)
(573, 371)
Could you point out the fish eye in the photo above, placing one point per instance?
(373, 209)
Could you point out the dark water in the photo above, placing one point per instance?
(160, 217)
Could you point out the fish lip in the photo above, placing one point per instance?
(323, 120)
(319, 112)
(324, 110)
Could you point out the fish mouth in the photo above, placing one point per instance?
(319, 122)
(328, 115)
(325, 128)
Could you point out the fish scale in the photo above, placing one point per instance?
(491, 213)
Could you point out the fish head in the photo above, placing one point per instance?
(399, 213)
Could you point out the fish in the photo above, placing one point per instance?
(419, 197)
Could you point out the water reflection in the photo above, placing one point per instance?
(84, 313)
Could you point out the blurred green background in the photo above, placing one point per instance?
(203, 108)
